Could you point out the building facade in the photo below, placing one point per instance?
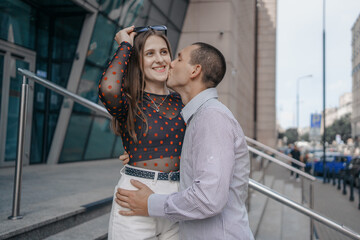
(355, 125)
(69, 43)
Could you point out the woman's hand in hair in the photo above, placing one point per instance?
(124, 158)
(126, 34)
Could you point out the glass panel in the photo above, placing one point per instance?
(89, 83)
(118, 149)
(76, 137)
(143, 15)
(101, 140)
(37, 137)
(129, 12)
(61, 36)
(17, 23)
(156, 17)
(66, 36)
(1, 76)
(163, 5)
(177, 13)
(100, 46)
(13, 108)
(111, 7)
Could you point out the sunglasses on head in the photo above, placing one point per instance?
(156, 28)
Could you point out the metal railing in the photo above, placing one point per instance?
(297, 171)
(306, 211)
(93, 106)
(274, 151)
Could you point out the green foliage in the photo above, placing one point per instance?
(292, 135)
(305, 137)
(342, 127)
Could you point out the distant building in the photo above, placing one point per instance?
(355, 122)
(335, 113)
(345, 105)
(331, 116)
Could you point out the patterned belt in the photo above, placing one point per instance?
(171, 176)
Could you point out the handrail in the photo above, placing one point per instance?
(312, 214)
(277, 161)
(83, 101)
(253, 184)
(267, 148)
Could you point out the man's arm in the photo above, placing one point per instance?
(213, 163)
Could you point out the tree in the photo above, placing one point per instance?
(292, 135)
(340, 126)
(305, 137)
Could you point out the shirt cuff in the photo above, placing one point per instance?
(156, 205)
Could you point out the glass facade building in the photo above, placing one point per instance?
(69, 43)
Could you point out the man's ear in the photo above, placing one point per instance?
(196, 71)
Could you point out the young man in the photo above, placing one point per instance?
(214, 160)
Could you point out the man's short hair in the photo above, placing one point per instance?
(212, 63)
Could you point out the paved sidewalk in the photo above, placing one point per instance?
(51, 191)
(333, 204)
(329, 202)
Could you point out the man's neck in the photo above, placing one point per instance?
(190, 92)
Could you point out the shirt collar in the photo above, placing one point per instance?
(191, 107)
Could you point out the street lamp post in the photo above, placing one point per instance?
(324, 92)
(298, 98)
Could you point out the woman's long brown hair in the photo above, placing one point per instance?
(134, 84)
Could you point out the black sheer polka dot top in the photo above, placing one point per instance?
(160, 147)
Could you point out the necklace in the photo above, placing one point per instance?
(157, 107)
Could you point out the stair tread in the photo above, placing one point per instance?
(52, 211)
(269, 228)
(295, 225)
(92, 229)
(257, 206)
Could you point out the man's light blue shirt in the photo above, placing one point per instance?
(214, 175)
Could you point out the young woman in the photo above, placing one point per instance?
(147, 117)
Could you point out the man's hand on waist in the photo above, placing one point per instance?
(135, 200)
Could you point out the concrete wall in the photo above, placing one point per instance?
(229, 25)
(356, 78)
(266, 111)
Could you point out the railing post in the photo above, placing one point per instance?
(339, 181)
(312, 207)
(334, 177)
(359, 189)
(20, 151)
(302, 190)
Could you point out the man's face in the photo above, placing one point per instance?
(181, 69)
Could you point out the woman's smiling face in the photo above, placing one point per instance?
(156, 60)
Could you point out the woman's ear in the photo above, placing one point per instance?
(196, 71)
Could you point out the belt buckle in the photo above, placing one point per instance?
(169, 176)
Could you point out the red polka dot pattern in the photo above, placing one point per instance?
(166, 127)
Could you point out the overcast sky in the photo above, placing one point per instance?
(299, 53)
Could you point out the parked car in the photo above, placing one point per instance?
(335, 162)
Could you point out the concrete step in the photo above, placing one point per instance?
(53, 224)
(257, 206)
(94, 229)
(270, 225)
(295, 225)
